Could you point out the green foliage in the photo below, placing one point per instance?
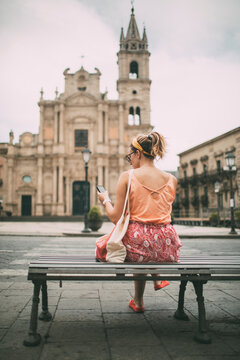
(95, 214)
(214, 219)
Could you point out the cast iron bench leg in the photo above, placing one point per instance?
(180, 313)
(202, 334)
(45, 314)
(34, 338)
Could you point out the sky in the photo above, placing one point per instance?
(194, 62)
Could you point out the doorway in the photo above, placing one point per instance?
(26, 208)
(81, 193)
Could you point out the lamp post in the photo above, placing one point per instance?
(86, 157)
(217, 188)
(230, 160)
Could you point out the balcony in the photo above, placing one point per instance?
(206, 177)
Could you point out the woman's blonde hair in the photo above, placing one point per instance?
(153, 144)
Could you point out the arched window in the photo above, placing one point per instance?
(131, 116)
(133, 73)
(137, 117)
(134, 116)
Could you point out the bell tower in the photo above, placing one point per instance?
(133, 83)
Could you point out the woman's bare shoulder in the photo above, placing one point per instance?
(124, 177)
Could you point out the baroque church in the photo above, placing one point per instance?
(44, 174)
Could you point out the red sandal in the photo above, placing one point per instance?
(134, 307)
(162, 285)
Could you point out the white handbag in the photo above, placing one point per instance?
(116, 251)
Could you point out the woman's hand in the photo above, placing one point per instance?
(103, 196)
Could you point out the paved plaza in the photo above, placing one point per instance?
(92, 320)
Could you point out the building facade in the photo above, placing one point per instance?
(44, 173)
(201, 167)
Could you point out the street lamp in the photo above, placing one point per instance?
(217, 188)
(86, 157)
(230, 160)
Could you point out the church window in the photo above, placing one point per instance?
(81, 138)
(137, 116)
(134, 92)
(133, 46)
(82, 88)
(133, 74)
(131, 110)
(134, 116)
(131, 116)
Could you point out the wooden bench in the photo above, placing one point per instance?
(199, 270)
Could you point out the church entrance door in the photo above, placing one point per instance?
(80, 190)
(26, 209)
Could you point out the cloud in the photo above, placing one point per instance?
(193, 101)
(194, 63)
(53, 37)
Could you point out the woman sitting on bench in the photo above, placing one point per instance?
(150, 237)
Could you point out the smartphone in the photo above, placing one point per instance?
(100, 188)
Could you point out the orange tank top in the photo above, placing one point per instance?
(151, 206)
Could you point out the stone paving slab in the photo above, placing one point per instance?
(92, 320)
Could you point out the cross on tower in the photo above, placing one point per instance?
(82, 57)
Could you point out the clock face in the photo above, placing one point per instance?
(26, 179)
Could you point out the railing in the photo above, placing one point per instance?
(206, 177)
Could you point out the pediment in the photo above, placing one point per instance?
(81, 99)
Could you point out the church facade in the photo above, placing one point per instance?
(44, 173)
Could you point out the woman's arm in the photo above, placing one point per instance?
(114, 212)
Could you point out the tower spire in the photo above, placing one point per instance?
(132, 32)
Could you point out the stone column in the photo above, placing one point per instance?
(40, 138)
(107, 178)
(61, 130)
(39, 205)
(60, 187)
(10, 180)
(100, 171)
(55, 124)
(106, 126)
(100, 124)
(67, 196)
(54, 198)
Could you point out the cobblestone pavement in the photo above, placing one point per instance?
(92, 320)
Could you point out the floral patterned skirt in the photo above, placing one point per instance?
(151, 243)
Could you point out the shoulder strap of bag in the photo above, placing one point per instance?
(128, 189)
